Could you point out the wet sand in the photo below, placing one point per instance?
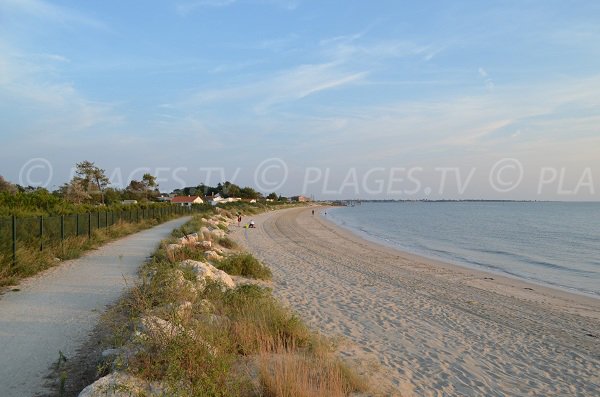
(425, 327)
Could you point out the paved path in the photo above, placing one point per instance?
(56, 310)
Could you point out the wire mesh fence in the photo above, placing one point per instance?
(40, 232)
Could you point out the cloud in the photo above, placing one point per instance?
(287, 86)
(51, 12)
(30, 81)
(186, 8)
(489, 83)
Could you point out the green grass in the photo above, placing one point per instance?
(30, 260)
(246, 265)
(226, 242)
(239, 342)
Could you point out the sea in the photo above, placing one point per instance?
(556, 244)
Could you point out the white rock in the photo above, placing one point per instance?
(217, 233)
(205, 233)
(189, 239)
(182, 284)
(206, 271)
(206, 244)
(181, 311)
(120, 385)
(212, 256)
(159, 329)
(173, 247)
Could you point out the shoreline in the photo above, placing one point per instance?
(502, 283)
(430, 327)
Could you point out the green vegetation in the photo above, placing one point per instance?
(32, 260)
(213, 341)
(246, 265)
(87, 211)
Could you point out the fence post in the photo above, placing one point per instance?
(106, 219)
(41, 233)
(77, 225)
(98, 220)
(14, 239)
(62, 228)
(89, 225)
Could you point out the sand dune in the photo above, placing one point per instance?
(418, 324)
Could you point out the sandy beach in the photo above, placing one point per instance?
(424, 327)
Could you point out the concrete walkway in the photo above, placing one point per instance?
(55, 311)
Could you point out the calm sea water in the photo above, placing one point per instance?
(556, 244)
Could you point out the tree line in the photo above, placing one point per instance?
(90, 187)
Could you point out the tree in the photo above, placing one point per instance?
(248, 193)
(91, 178)
(146, 188)
(272, 196)
(230, 190)
(74, 192)
(6, 186)
(149, 181)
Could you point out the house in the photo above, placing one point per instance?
(217, 199)
(186, 201)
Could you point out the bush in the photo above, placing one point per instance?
(245, 265)
(226, 242)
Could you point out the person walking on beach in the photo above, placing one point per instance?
(239, 220)
(313, 212)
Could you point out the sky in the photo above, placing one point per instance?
(331, 99)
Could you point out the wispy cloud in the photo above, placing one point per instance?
(357, 45)
(32, 81)
(51, 12)
(188, 7)
(291, 85)
(484, 75)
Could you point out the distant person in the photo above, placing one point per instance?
(239, 220)
(251, 224)
(313, 212)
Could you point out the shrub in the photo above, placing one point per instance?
(227, 243)
(245, 265)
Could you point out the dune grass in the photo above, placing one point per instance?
(246, 265)
(225, 342)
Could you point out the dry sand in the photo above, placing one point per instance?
(433, 328)
(57, 309)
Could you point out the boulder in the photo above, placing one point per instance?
(205, 271)
(183, 285)
(206, 244)
(159, 329)
(181, 312)
(212, 256)
(205, 233)
(217, 234)
(189, 239)
(173, 247)
(119, 384)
